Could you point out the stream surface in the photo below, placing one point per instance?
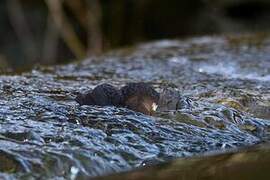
(224, 81)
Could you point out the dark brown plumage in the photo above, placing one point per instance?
(102, 95)
(140, 97)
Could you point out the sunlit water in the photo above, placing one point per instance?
(225, 81)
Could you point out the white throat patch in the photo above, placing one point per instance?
(154, 107)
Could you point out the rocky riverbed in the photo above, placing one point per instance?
(225, 89)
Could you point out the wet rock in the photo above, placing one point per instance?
(219, 102)
(252, 163)
(171, 99)
(9, 164)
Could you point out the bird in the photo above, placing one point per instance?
(138, 96)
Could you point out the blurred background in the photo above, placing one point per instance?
(45, 32)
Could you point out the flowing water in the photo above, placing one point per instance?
(225, 89)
